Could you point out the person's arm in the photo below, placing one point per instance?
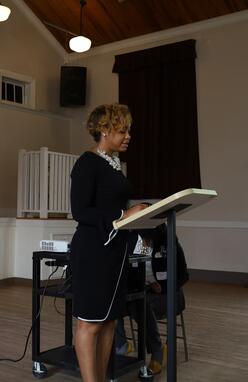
(133, 210)
(149, 273)
(154, 286)
(83, 188)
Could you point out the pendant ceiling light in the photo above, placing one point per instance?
(4, 12)
(80, 43)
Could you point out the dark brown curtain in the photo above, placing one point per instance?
(159, 85)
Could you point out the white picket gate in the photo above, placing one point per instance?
(44, 183)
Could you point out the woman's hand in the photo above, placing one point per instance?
(133, 210)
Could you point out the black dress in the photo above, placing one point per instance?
(99, 193)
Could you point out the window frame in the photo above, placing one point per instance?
(28, 84)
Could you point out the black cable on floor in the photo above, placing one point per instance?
(38, 314)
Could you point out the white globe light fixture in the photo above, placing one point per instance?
(80, 43)
(4, 12)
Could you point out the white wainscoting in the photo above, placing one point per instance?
(215, 245)
(20, 237)
(208, 245)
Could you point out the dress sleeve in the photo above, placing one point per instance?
(83, 189)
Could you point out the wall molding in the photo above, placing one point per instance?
(212, 224)
(46, 223)
(165, 36)
(32, 223)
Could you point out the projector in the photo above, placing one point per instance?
(54, 245)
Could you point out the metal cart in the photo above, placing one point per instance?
(64, 356)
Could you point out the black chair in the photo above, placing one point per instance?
(180, 307)
(162, 321)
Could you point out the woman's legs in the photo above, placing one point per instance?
(86, 344)
(93, 346)
(104, 346)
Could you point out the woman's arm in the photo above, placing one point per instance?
(83, 189)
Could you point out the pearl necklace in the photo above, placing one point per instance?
(114, 160)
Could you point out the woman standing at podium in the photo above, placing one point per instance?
(99, 195)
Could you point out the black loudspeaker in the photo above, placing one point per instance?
(72, 85)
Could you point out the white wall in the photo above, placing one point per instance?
(27, 51)
(28, 130)
(222, 94)
(7, 247)
(102, 87)
(214, 245)
(19, 238)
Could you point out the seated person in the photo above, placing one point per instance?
(156, 298)
(154, 345)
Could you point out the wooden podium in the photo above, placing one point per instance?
(165, 211)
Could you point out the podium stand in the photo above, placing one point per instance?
(154, 215)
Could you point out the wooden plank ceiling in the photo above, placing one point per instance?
(106, 21)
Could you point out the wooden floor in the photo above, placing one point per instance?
(217, 331)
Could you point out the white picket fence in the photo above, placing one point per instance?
(44, 183)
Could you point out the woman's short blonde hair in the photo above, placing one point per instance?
(108, 118)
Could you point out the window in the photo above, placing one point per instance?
(17, 90)
(13, 91)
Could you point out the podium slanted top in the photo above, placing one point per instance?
(155, 214)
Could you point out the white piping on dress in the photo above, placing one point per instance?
(116, 287)
(114, 231)
(112, 234)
